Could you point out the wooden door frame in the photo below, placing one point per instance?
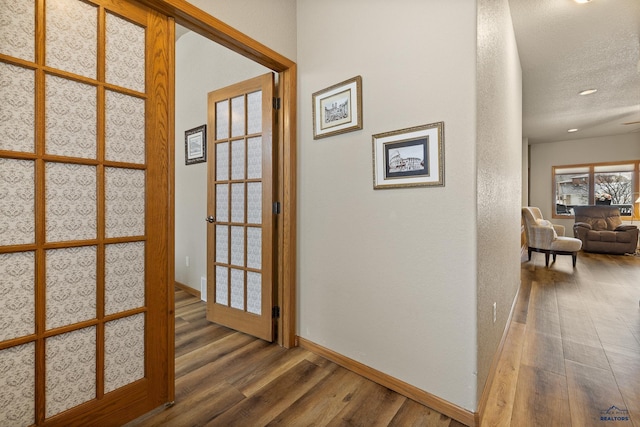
(215, 30)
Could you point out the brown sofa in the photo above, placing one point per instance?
(600, 229)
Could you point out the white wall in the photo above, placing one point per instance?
(388, 277)
(271, 22)
(499, 170)
(525, 171)
(592, 150)
(203, 66)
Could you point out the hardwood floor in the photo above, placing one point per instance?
(573, 348)
(226, 378)
(572, 352)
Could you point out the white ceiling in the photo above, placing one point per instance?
(566, 47)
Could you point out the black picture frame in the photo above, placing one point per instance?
(407, 158)
(195, 145)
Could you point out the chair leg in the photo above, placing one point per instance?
(574, 257)
(529, 250)
(554, 257)
(546, 259)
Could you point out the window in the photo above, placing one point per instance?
(594, 184)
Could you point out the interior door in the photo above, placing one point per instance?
(240, 211)
(84, 212)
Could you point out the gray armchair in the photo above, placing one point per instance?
(600, 229)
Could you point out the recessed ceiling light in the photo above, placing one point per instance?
(582, 1)
(587, 91)
(573, 130)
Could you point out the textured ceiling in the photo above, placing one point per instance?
(566, 47)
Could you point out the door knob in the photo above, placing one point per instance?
(210, 219)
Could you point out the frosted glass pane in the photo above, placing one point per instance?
(71, 111)
(72, 36)
(222, 161)
(254, 158)
(17, 382)
(17, 109)
(254, 112)
(70, 366)
(254, 292)
(254, 247)
(124, 277)
(222, 202)
(237, 246)
(237, 202)
(125, 53)
(254, 203)
(125, 128)
(17, 202)
(222, 286)
(237, 289)
(123, 351)
(17, 30)
(222, 120)
(222, 244)
(71, 285)
(17, 296)
(125, 202)
(237, 116)
(237, 159)
(71, 202)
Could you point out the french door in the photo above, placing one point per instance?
(240, 236)
(84, 211)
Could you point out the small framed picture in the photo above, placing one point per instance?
(338, 109)
(410, 157)
(195, 145)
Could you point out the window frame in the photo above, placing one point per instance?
(591, 171)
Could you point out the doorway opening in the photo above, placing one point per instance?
(206, 61)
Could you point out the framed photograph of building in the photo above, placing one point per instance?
(338, 109)
(411, 157)
(195, 145)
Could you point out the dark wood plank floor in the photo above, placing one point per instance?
(572, 352)
(226, 378)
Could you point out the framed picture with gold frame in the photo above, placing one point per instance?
(338, 109)
(412, 157)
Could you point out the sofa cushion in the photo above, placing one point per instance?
(566, 244)
(599, 224)
(613, 222)
(608, 236)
